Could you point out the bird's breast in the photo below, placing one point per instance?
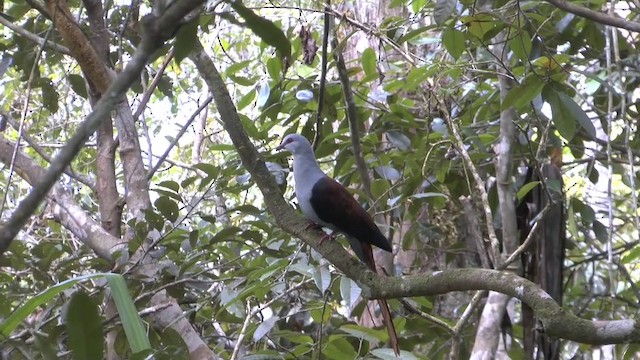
(303, 194)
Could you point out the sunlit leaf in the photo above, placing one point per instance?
(322, 278)
(274, 68)
(369, 60)
(349, 291)
(264, 328)
(525, 189)
(522, 95)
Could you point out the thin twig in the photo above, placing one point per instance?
(323, 73)
(40, 151)
(33, 37)
(23, 117)
(466, 315)
(153, 85)
(412, 309)
(480, 187)
(353, 118)
(529, 240)
(178, 136)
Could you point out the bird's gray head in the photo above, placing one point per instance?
(296, 144)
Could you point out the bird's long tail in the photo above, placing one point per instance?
(388, 323)
(365, 253)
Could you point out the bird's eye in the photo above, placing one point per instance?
(289, 140)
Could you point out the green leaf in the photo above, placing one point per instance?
(523, 94)
(168, 208)
(210, 169)
(274, 68)
(521, 45)
(245, 101)
(361, 332)
(415, 78)
(185, 40)
(350, 291)
(479, 24)
(369, 60)
(600, 231)
(561, 116)
(417, 5)
(265, 29)
(443, 10)
(453, 41)
(131, 321)
(524, 190)
(234, 68)
(241, 80)
(578, 114)
(322, 278)
(170, 184)
(49, 95)
(631, 255)
(379, 188)
(78, 86)
(225, 234)
(84, 326)
(338, 348)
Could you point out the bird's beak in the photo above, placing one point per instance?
(280, 147)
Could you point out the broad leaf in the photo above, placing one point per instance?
(265, 29)
(185, 40)
(453, 41)
(84, 327)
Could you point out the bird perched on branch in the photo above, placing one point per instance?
(327, 203)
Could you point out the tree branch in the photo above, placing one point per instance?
(595, 15)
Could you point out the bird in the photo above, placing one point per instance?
(327, 203)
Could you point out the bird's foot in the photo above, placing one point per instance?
(313, 226)
(326, 237)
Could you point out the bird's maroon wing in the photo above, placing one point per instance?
(334, 205)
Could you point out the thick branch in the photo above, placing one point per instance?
(80, 47)
(595, 15)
